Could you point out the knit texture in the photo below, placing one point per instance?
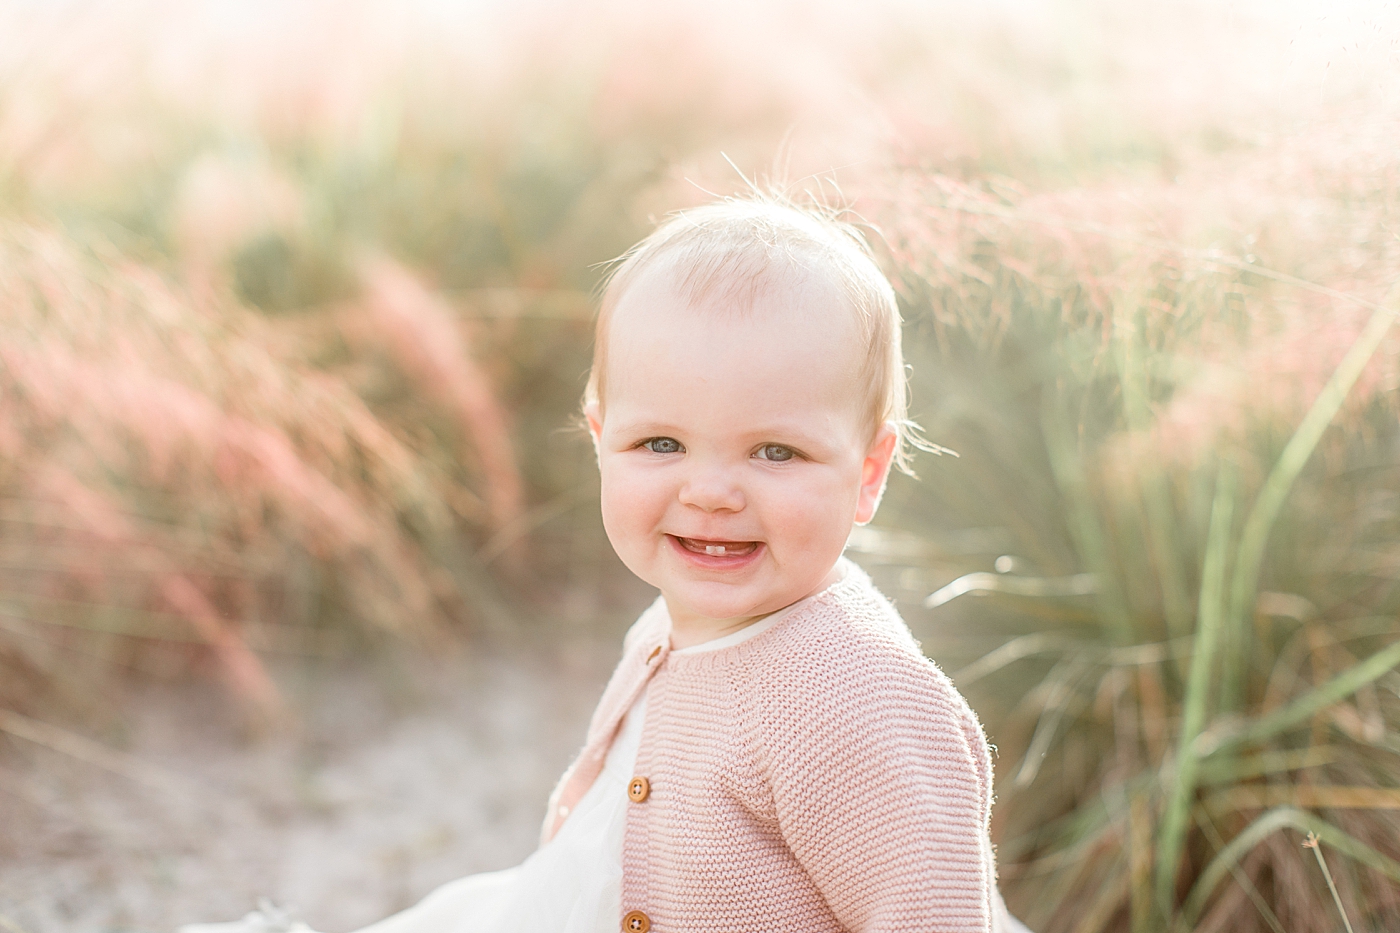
(821, 776)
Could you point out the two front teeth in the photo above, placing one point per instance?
(729, 549)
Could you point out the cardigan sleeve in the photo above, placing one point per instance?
(881, 783)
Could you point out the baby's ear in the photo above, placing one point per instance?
(595, 423)
(875, 471)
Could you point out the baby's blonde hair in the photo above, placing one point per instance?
(735, 248)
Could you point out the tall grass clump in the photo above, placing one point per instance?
(307, 285)
(1176, 408)
(179, 482)
(297, 310)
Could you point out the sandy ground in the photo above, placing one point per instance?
(403, 775)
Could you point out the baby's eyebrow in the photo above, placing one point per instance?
(783, 432)
(646, 428)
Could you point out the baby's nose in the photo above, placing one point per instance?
(713, 490)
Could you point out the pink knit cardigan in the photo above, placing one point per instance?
(821, 776)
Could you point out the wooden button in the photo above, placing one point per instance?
(654, 652)
(636, 922)
(639, 789)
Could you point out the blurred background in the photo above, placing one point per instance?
(303, 589)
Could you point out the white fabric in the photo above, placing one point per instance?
(573, 884)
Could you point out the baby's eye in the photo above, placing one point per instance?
(663, 445)
(775, 452)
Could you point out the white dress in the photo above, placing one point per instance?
(572, 884)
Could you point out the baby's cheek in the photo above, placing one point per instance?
(629, 510)
(615, 514)
(817, 503)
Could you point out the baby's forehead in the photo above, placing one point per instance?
(700, 324)
(735, 288)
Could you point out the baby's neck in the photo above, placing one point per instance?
(688, 631)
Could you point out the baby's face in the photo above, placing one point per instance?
(734, 447)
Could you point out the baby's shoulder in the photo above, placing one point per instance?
(845, 682)
(845, 647)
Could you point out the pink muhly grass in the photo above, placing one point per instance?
(178, 432)
(181, 437)
(1126, 260)
(420, 332)
(117, 534)
(245, 672)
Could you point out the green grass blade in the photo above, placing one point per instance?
(1232, 770)
(1268, 824)
(1314, 701)
(1241, 878)
(1174, 823)
(1156, 496)
(1255, 536)
(1162, 535)
(1085, 525)
(1061, 697)
(1068, 835)
(1024, 647)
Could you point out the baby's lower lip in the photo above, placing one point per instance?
(717, 550)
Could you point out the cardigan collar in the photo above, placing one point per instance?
(844, 564)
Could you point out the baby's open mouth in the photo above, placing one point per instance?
(718, 548)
